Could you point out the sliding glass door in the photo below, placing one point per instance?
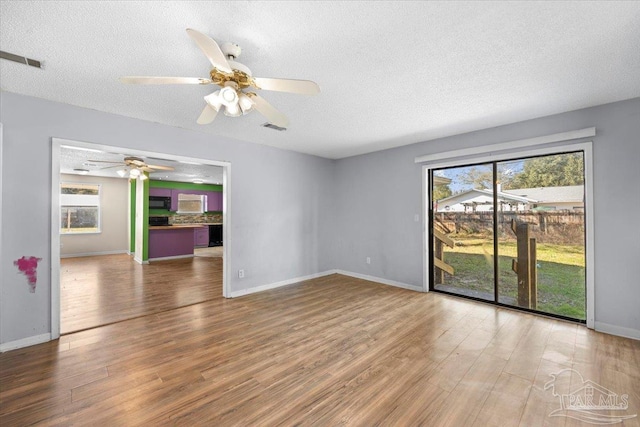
(462, 231)
(511, 232)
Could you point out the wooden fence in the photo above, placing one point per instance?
(561, 227)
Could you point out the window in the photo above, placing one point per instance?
(79, 208)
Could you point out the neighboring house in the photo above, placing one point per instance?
(441, 180)
(481, 200)
(569, 197)
(520, 200)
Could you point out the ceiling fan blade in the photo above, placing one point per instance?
(302, 87)
(159, 168)
(106, 161)
(207, 116)
(111, 167)
(211, 50)
(146, 80)
(274, 116)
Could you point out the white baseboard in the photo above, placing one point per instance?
(24, 342)
(242, 292)
(620, 331)
(164, 258)
(287, 282)
(93, 254)
(381, 280)
(140, 261)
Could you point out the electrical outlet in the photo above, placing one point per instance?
(240, 274)
(368, 260)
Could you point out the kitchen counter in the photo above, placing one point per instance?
(197, 223)
(172, 241)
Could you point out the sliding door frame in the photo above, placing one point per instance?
(461, 158)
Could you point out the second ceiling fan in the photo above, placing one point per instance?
(233, 78)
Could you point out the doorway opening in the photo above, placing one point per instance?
(511, 232)
(97, 286)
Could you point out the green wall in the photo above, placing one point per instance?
(179, 186)
(185, 185)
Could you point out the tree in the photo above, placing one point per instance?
(441, 191)
(550, 171)
(481, 178)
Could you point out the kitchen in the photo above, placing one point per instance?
(172, 217)
(183, 218)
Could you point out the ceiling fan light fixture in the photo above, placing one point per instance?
(143, 176)
(232, 110)
(122, 173)
(228, 96)
(134, 173)
(246, 104)
(213, 100)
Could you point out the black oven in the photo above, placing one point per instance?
(157, 202)
(158, 220)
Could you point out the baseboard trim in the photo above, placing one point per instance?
(380, 280)
(243, 292)
(620, 331)
(24, 342)
(287, 282)
(140, 261)
(82, 254)
(164, 258)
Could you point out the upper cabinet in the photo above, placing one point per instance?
(159, 192)
(214, 201)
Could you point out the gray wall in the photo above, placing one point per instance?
(113, 236)
(277, 199)
(379, 194)
(296, 215)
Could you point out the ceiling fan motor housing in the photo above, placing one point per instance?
(230, 50)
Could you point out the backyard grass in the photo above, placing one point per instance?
(560, 268)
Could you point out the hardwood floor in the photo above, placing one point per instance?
(329, 351)
(99, 290)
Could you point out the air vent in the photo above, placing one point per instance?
(20, 59)
(272, 126)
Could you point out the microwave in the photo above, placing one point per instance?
(157, 202)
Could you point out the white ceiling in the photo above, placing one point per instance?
(107, 163)
(391, 73)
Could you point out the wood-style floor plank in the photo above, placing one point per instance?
(99, 290)
(330, 351)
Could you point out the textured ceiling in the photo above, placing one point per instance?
(391, 73)
(104, 163)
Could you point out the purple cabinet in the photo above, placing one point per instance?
(201, 236)
(160, 192)
(214, 201)
(170, 242)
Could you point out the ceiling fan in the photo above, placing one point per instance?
(233, 78)
(134, 167)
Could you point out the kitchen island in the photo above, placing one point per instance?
(172, 241)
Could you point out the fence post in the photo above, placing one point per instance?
(438, 253)
(533, 274)
(525, 266)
